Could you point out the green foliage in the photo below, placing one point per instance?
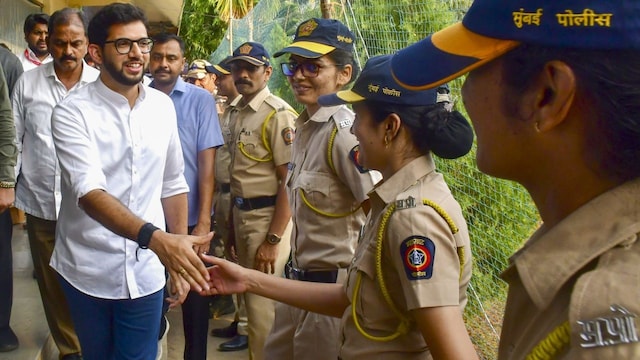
(200, 28)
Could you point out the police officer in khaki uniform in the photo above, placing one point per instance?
(326, 191)
(406, 286)
(556, 109)
(237, 330)
(263, 131)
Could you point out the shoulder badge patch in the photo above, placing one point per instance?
(354, 154)
(617, 328)
(287, 135)
(345, 123)
(418, 254)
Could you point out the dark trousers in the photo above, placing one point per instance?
(195, 320)
(6, 269)
(115, 329)
(195, 323)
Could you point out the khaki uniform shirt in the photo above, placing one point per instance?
(585, 270)
(222, 200)
(251, 177)
(320, 242)
(420, 263)
(223, 156)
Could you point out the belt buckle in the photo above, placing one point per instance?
(293, 273)
(239, 201)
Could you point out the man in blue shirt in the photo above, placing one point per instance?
(200, 135)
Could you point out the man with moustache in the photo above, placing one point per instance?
(122, 176)
(201, 73)
(38, 189)
(263, 132)
(237, 330)
(35, 34)
(200, 135)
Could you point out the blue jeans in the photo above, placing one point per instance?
(115, 329)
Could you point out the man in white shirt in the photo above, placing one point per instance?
(122, 175)
(35, 34)
(38, 188)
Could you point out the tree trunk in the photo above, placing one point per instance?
(327, 9)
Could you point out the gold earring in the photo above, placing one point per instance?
(537, 126)
(386, 141)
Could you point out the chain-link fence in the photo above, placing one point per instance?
(499, 213)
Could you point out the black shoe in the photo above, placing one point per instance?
(8, 340)
(240, 342)
(227, 331)
(221, 305)
(75, 356)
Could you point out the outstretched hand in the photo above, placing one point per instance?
(178, 257)
(225, 276)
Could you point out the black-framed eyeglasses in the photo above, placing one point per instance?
(123, 45)
(308, 69)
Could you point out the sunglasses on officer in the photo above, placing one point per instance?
(308, 69)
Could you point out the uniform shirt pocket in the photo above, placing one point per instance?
(323, 193)
(250, 143)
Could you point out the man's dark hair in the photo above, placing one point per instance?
(33, 19)
(608, 83)
(164, 38)
(116, 13)
(64, 17)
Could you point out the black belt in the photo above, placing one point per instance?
(224, 187)
(255, 203)
(328, 276)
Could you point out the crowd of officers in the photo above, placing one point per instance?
(341, 238)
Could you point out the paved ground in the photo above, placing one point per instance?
(28, 321)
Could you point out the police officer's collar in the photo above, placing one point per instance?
(388, 190)
(257, 100)
(601, 224)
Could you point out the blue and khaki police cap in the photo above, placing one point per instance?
(223, 67)
(317, 37)
(199, 68)
(251, 52)
(492, 27)
(376, 83)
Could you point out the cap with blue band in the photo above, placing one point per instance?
(317, 37)
(251, 52)
(493, 27)
(376, 83)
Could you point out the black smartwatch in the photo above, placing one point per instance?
(144, 236)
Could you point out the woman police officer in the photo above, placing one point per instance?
(406, 287)
(327, 194)
(553, 94)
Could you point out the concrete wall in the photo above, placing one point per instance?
(12, 20)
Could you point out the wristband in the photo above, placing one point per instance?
(144, 236)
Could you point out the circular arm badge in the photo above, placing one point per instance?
(418, 254)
